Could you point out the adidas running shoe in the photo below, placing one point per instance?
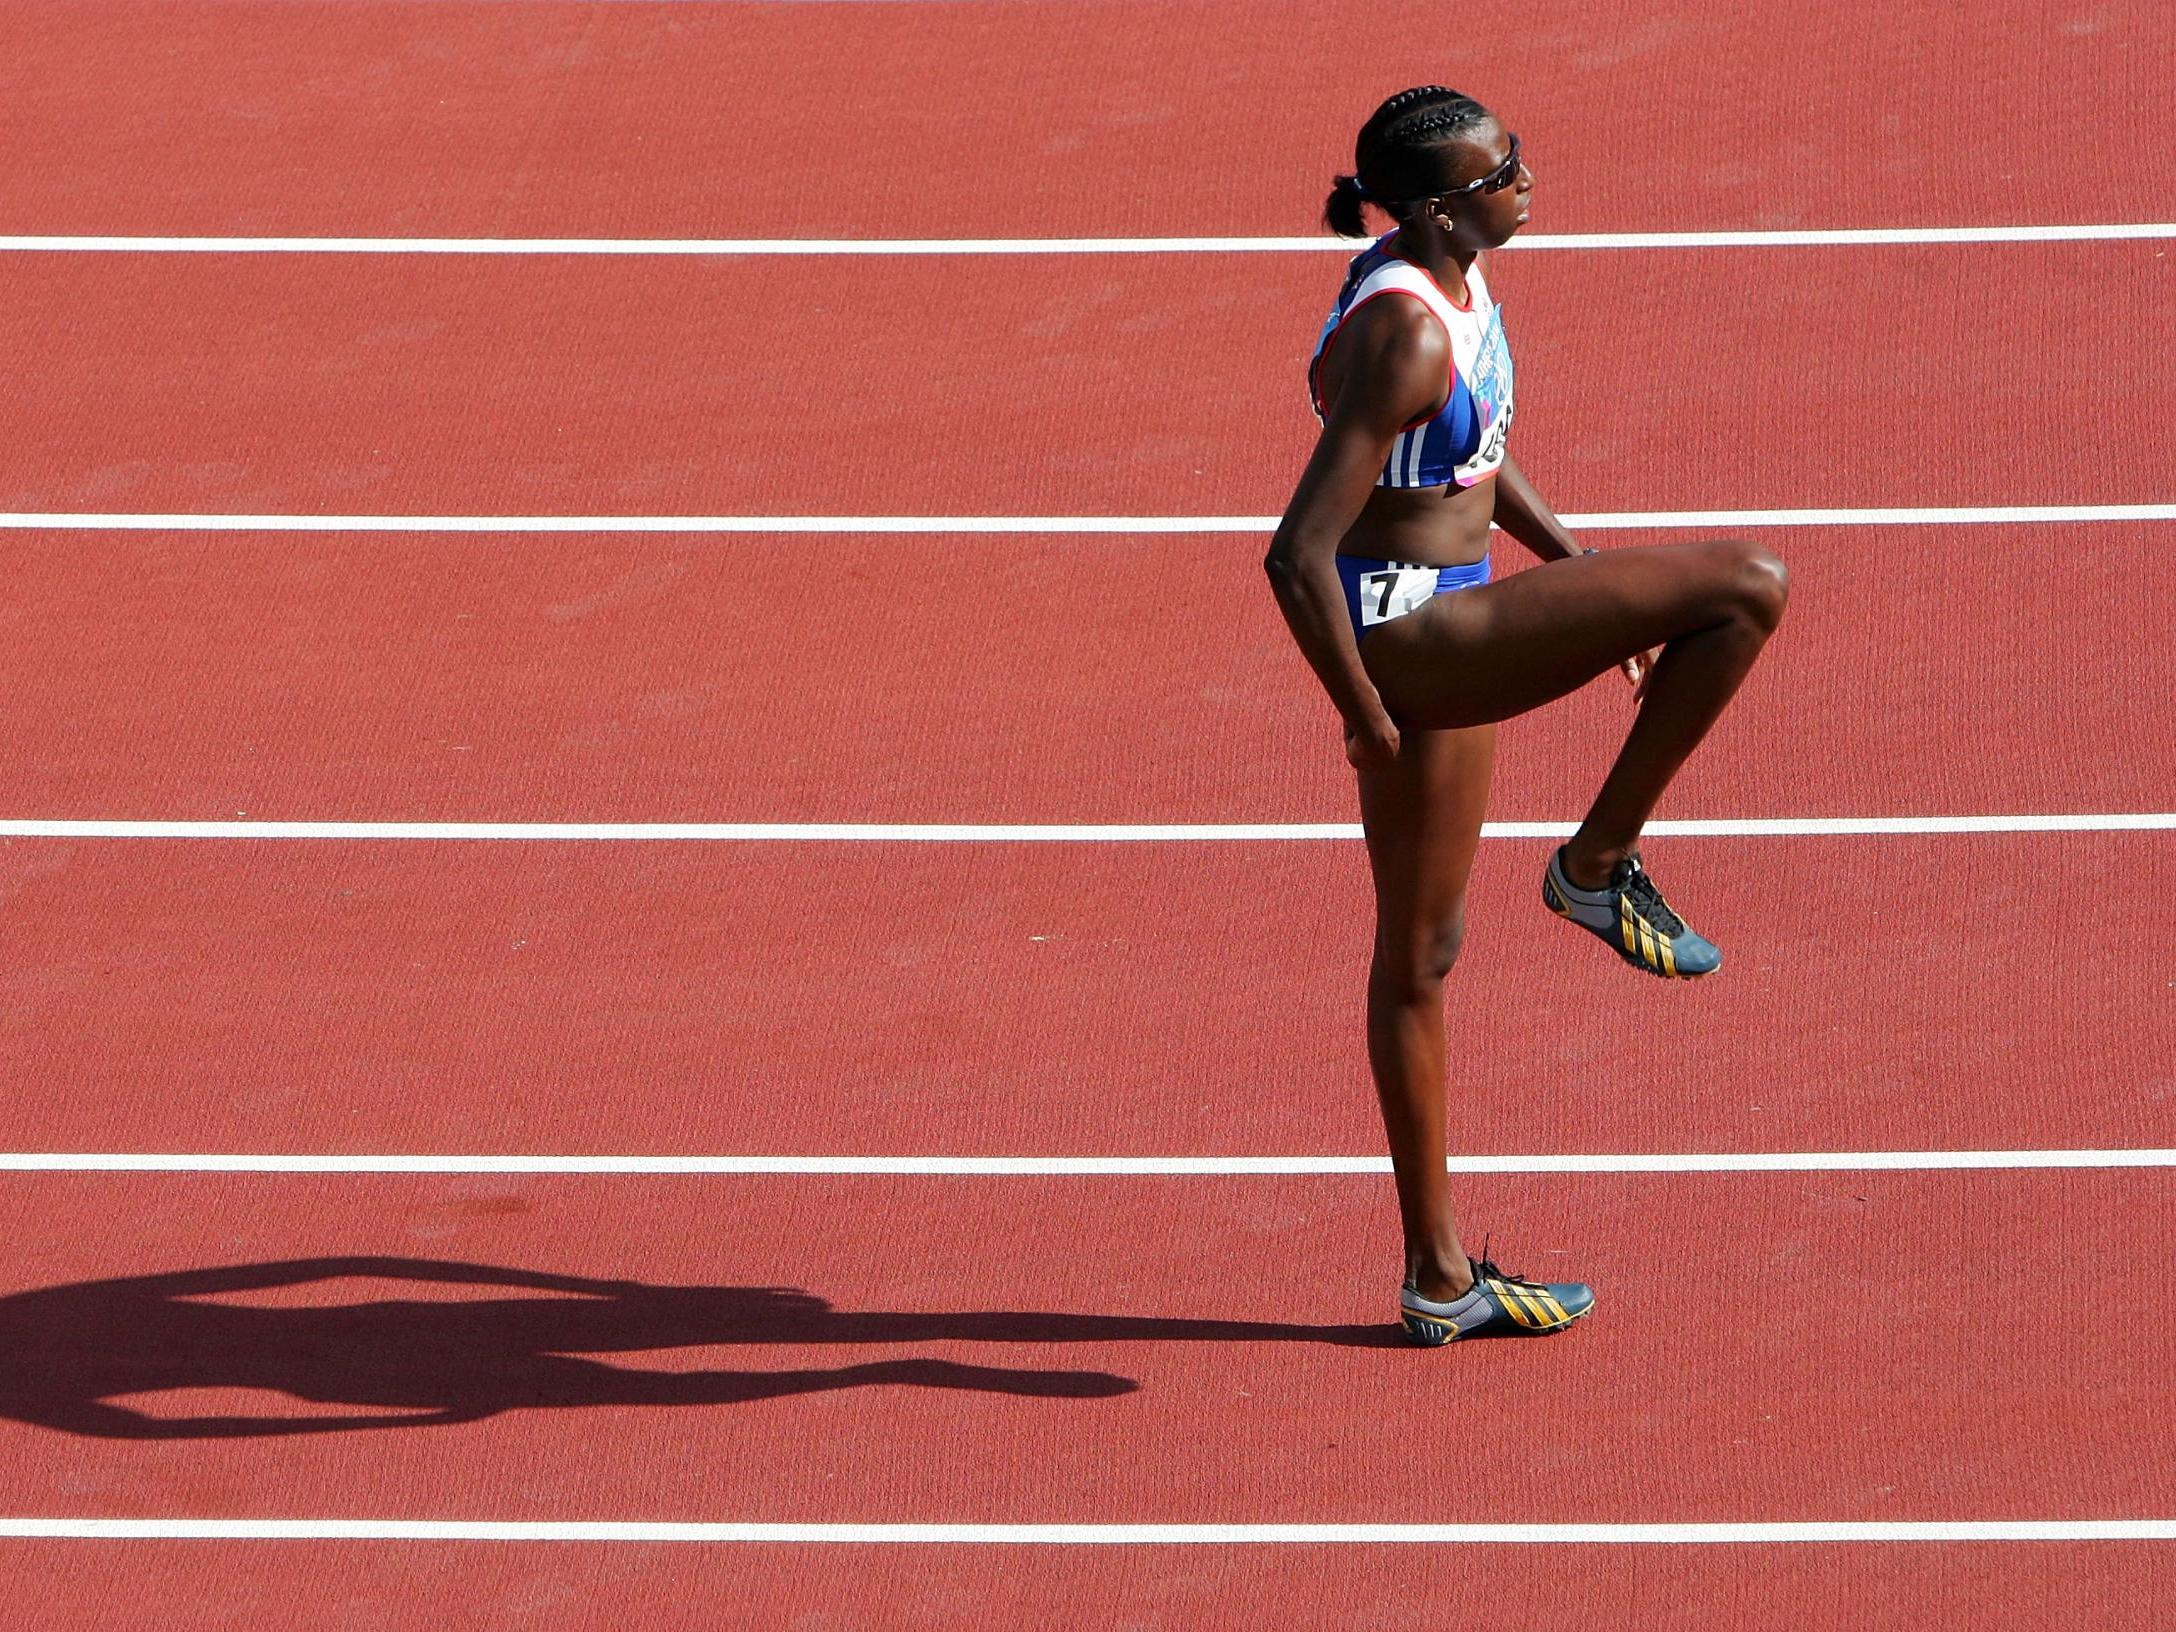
(1499, 1304)
(1632, 917)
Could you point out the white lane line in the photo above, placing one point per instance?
(1313, 244)
(1049, 833)
(1607, 520)
(1848, 1161)
(1090, 1535)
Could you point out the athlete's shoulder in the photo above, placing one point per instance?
(1397, 351)
(1395, 313)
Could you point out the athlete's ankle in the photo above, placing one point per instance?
(1589, 865)
(1437, 1278)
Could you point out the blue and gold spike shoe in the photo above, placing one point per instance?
(1501, 1305)
(1633, 918)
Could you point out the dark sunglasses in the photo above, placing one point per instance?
(1494, 182)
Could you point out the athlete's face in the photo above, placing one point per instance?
(1487, 215)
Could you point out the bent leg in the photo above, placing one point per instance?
(1486, 654)
(1422, 816)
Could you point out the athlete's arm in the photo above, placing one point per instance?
(1388, 370)
(1521, 513)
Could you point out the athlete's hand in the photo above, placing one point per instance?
(1372, 745)
(1638, 669)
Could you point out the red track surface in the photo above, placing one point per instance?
(1054, 385)
(1055, 1000)
(1900, 1346)
(1921, 1588)
(1129, 679)
(1859, 1383)
(1037, 120)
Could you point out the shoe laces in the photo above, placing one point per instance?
(1647, 900)
(1484, 1267)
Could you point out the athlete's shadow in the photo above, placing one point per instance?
(69, 1354)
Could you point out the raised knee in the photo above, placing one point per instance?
(1760, 584)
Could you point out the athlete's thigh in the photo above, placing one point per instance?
(1487, 653)
(1422, 816)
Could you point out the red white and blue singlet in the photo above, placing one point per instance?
(1463, 441)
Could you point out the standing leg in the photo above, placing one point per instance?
(1422, 816)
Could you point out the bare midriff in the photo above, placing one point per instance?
(1426, 526)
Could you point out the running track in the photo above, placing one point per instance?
(1905, 1347)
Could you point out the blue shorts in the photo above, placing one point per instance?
(1377, 591)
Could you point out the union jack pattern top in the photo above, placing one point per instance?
(1462, 441)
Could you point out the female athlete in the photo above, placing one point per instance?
(1381, 567)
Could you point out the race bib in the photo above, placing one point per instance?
(1394, 592)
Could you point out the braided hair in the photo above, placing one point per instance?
(1394, 160)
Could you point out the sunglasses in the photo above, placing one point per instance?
(1494, 182)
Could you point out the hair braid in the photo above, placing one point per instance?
(1415, 129)
(1405, 100)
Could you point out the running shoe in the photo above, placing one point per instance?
(1499, 1304)
(1632, 917)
